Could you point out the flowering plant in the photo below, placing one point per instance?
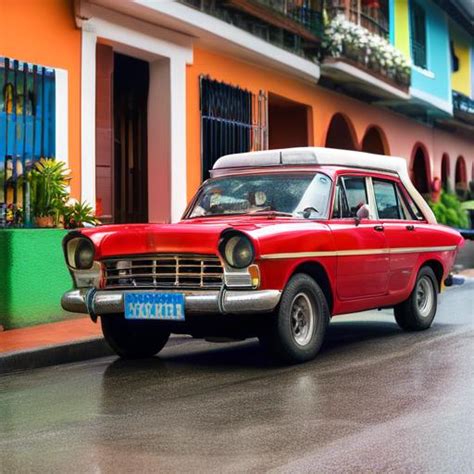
(345, 38)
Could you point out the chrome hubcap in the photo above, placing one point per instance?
(424, 296)
(302, 319)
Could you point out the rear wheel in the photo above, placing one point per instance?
(297, 329)
(132, 339)
(418, 311)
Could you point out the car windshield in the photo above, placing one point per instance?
(299, 195)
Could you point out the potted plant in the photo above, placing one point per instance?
(77, 214)
(48, 181)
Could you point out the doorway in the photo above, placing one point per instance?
(341, 134)
(130, 96)
(419, 171)
(288, 123)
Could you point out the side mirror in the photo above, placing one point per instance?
(362, 213)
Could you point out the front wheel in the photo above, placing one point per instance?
(418, 311)
(298, 327)
(132, 339)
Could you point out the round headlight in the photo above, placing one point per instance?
(80, 253)
(84, 256)
(238, 251)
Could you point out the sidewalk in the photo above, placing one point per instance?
(51, 344)
(467, 273)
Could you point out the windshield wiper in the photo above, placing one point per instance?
(270, 212)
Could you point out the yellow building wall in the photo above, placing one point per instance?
(402, 28)
(461, 79)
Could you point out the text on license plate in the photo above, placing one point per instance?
(161, 306)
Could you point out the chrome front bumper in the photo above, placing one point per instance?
(196, 302)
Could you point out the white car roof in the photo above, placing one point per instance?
(327, 156)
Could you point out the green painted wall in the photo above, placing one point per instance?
(33, 277)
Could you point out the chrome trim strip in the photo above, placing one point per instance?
(351, 253)
(448, 248)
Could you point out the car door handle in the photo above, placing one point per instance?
(410, 227)
(379, 228)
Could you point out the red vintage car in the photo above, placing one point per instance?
(273, 246)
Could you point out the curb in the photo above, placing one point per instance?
(54, 355)
(75, 351)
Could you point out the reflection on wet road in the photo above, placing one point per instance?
(376, 399)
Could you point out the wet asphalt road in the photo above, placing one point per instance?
(375, 399)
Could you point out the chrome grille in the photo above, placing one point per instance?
(164, 271)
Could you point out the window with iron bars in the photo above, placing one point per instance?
(27, 132)
(233, 120)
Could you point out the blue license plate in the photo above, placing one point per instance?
(156, 306)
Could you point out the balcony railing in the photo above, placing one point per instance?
(295, 25)
(372, 18)
(305, 13)
(463, 107)
(344, 42)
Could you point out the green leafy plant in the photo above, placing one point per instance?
(50, 202)
(76, 214)
(448, 210)
(49, 180)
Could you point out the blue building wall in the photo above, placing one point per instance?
(436, 81)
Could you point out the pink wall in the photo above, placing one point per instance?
(401, 133)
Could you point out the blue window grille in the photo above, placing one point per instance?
(27, 132)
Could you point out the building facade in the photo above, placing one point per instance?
(210, 78)
(255, 74)
(140, 98)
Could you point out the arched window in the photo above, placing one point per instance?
(341, 134)
(445, 171)
(420, 170)
(374, 141)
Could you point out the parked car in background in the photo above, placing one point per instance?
(273, 246)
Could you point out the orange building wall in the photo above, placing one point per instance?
(44, 32)
(401, 133)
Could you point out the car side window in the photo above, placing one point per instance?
(406, 212)
(386, 200)
(413, 211)
(351, 194)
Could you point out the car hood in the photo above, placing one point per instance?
(201, 236)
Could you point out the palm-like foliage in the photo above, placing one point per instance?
(48, 180)
(78, 214)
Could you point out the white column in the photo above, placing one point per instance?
(178, 138)
(62, 102)
(88, 68)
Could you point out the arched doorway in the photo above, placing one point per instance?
(420, 170)
(445, 171)
(341, 134)
(374, 141)
(460, 177)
